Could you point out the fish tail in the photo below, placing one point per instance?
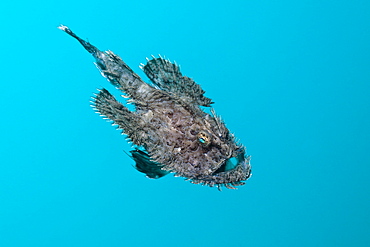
(113, 68)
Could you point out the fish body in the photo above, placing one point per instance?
(170, 131)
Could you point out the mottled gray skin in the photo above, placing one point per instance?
(170, 130)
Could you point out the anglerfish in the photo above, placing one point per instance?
(170, 127)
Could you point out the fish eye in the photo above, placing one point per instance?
(204, 138)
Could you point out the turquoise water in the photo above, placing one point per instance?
(290, 79)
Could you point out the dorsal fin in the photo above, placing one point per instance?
(167, 76)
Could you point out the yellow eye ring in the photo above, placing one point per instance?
(204, 138)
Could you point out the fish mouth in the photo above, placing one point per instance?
(231, 163)
(232, 172)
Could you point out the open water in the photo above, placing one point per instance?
(291, 79)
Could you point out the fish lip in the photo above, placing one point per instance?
(228, 178)
(241, 160)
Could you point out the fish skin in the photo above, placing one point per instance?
(171, 132)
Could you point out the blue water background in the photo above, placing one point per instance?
(290, 79)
